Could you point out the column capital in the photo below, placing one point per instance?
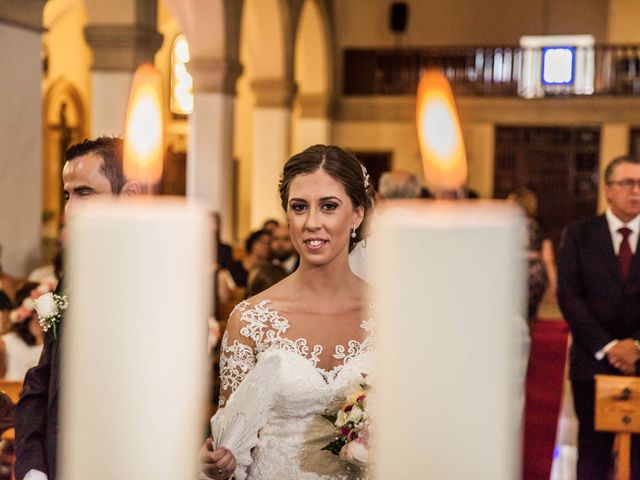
(273, 92)
(214, 75)
(122, 47)
(314, 105)
(23, 13)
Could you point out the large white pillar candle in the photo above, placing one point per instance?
(448, 288)
(134, 341)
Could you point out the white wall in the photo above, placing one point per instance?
(21, 147)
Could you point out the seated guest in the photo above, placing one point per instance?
(6, 305)
(258, 251)
(49, 272)
(224, 254)
(20, 348)
(282, 249)
(537, 275)
(270, 224)
(399, 184)
(263, 277)
(7, 283)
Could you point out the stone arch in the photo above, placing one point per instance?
(266, 36)
(211, 26)
(64, 123)
(313, 67)
(263, 104)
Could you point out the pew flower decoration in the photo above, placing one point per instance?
(353, 429)
(50, 308)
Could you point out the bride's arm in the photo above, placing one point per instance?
(237, 353)
(237, 358)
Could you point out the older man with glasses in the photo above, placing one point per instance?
(599, 294)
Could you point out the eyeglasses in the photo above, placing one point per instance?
(627, 183)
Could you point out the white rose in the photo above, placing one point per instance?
(46, 306)
(355, 415)
(342, 419)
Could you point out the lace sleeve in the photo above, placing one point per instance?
(237, 355)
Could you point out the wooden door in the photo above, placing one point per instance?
(376, 164)
(559, 164)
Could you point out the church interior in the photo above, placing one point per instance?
(248, 83)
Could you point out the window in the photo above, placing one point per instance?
(181, 80)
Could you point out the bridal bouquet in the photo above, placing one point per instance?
(353, 430)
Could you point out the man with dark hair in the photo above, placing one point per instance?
(282, 249)
(599, 294)
(257, 251)
(109, 150)
(93, 168)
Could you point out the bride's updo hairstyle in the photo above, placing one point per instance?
(342, 166)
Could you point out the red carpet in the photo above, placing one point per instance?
(543, 397)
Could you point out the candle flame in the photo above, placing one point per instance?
(144, 127)
(439, 134)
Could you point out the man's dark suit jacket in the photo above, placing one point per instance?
(597, 302)
(37, 414)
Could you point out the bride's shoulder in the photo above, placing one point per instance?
(247, 307)
(267, 303)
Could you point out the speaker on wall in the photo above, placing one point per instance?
(398, 16)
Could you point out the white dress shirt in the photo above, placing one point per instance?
(35, 475)
(616, 237)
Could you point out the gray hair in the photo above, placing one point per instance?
(399, 184)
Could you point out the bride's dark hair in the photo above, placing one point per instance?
(342, 166)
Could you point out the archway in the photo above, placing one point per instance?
(64, 123)
(313, 61)
(263, 109)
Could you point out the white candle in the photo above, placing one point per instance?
(449, 283)
(134, 341)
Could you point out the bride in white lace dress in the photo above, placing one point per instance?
(317, 321)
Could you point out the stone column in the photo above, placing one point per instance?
(118, 49)
(614, 141)
(480, 142)
(313, 125)
(271, 145)
(210, 154)
(20, 134)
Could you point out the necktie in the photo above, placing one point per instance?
(625, 255)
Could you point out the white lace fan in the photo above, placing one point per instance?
(236, 425)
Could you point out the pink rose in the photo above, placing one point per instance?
(355, 452)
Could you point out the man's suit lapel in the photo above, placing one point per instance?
(55, 369)
(55, 349)
(606, 251)
(55, 362)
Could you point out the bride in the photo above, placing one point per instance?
(317, 320)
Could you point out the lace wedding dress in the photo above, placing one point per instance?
(289, 444)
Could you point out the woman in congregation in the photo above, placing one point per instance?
(21, 346)
(316, 320)
(257, 252)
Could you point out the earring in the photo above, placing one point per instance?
(353, 232)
